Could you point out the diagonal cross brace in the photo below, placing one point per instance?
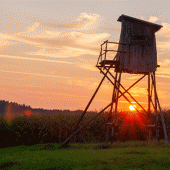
(68, 139)
(92, 98)
(76, 127)
(122, 94)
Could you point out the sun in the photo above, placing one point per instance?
(132, 107)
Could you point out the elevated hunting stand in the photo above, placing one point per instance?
(136, 54)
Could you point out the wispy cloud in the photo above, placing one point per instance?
(55, 43)
(164, 70)
(84, 22)
(134, 77)
(164, 33)
(165, 30)
(153, 19)
(35, 74)
(165, 63)
(163, 76)
(137, 91)
(163, 45)
(34, 59)
(88, 67)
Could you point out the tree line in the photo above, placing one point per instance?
(23, 125)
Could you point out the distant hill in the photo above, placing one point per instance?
(20, 109)
(3, 104)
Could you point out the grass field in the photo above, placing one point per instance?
(120, 155)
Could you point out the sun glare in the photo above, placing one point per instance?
(132, 107)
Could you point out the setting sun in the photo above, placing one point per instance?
(132, 107)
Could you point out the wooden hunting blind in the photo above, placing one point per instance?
(141, 55)
(136, 54)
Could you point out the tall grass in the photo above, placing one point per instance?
(46, 128)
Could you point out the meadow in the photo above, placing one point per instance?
(120, 155)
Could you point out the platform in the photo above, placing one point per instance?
(108, 63)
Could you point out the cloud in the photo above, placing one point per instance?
(63, 40)
(35, 32)
(164, 70)
(35, 74)
(4, 40)
(53, 43)
(87, 39)
(134, 77)
(165, 63)
(153, 19)
(164, 33)
(65, 52)
(163, 44)
(137, 91)
(33, 27)
(83, 83)
(83, 22)
(88, 67)
(163, 75)
(34, 59)
(162, 94)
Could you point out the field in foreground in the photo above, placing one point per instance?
(127, 155)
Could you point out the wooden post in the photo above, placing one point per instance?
(154, 79)
(117, 94)
(113, 98)
(163, 122)
(149, 134)
(156, 108)
(118, 89)
(80, 119)
(160, 110)
(105, 54)
(60, 137)
(107, 133)
(149, 106)
(68, 139)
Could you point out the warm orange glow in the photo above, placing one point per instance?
(132, 107)
(131, 123)
(28, 113)
(9, 113)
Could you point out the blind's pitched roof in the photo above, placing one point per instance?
(131, 19)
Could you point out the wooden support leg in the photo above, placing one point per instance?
(155, 107)
(114, 101)
(110, 116)
(68, 139)
(149, 134)
(160, 110)
(149, 98)
(117, 92)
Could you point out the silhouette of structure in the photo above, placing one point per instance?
(136, 54)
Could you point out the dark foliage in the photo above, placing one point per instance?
(56, 126)
(8, 165)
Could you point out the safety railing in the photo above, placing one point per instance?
(103, 52)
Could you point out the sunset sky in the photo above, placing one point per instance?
(49, 49)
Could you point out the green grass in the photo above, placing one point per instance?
(127, 155)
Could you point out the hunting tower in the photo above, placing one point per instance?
(136, 54)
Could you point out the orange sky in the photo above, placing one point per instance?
(48, 52)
